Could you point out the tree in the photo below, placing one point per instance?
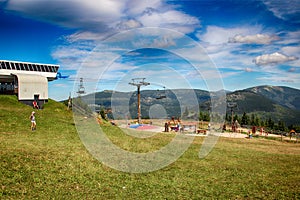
(245, 119)
(252, 120)
(206, 117)
(257, 121)
(236, 117)
(270, 123)
(103, 114)
(200, 116)
(262, 123)
(228, 118)
(185, 114)
(281, 125)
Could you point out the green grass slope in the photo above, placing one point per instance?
(52, 163)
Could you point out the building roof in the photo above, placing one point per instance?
(8, 68)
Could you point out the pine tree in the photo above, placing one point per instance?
(262, 123)
(228, 118)
(270, 123)
(102, 114)
(245, 119)
(281, 125)
(206, 117)
(257, 121)
(236, 117)
(200, 116)
(252, 120)
(185, 113)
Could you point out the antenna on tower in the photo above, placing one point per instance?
(81, 89)
(138, 82)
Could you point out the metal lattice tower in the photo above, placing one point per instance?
(138, 82)
(81, 89)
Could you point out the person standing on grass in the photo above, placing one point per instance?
(33, 122)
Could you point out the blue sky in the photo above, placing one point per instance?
(201, 44)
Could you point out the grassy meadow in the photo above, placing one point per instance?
(52, 163)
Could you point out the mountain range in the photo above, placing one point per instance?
(275, 102)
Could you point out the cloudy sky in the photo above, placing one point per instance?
(205, 44)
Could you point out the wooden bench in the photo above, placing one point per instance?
(201, 131)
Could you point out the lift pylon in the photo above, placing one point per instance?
(81, 89)
(138, 82)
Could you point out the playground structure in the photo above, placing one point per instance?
(169, 125)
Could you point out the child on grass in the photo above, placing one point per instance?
(33, 122)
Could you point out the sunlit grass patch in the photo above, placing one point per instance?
(52, 163)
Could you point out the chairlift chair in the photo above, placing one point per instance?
(161, 95)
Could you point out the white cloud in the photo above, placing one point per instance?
(291, 50)
(230, 57)
(97, 20)
(85, 36)
(247, 69)
(289, 38)
(286, 10)
(60, 85)
(138, 7)
(88, 15)
(105, 16)
(128, 24)
(294, 35)
(253, 39)
(283, 77)
(225, 56)
(164, 42)
(219, 35)
(292, 69)
(273, 58)
(170, 19)
(69, 57)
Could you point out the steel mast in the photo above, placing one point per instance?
(138, 82)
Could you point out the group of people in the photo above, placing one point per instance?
(175, 128)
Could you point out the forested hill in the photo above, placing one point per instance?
(284, 96)
(276, 102)
(268, 102)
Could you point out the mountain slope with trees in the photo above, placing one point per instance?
(284, 96)
(266, 103)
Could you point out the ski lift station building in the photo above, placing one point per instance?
(29, 81)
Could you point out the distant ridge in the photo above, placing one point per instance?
(276, 102)
(285, 96)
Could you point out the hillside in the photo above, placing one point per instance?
(14, 116)
(171, 103)
(251, 102)
(52, 163)
(284, 96)
(264, 106)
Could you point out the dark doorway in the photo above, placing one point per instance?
(36, 97)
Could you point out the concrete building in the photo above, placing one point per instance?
(29, 81)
